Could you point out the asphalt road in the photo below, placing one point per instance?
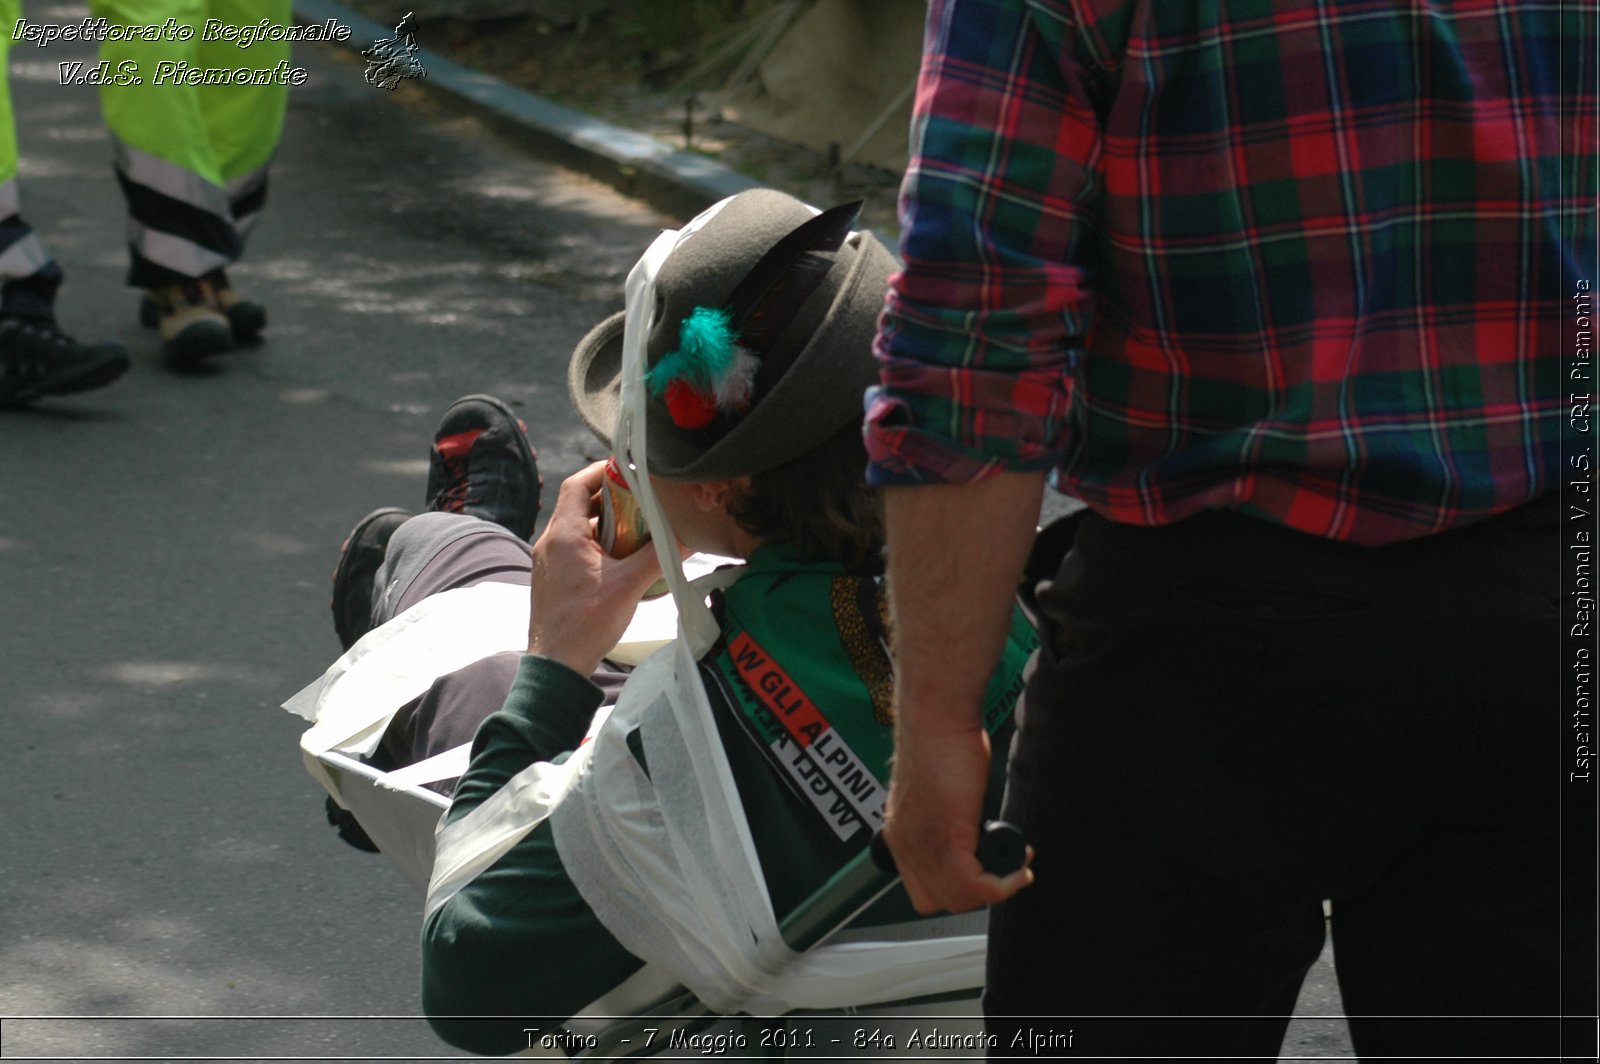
(166, 545)
(165, 550)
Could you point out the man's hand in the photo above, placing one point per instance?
(583, 598)
(931, 825)
(955, 556)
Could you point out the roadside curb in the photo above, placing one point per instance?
(674, 181)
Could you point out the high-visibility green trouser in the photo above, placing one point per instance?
(191, 159)
(29, 277)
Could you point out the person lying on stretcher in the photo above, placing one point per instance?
(557, 876)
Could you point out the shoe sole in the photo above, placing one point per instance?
(344, 574)
(97, 376)
(528, 453)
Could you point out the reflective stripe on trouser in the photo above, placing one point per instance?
(191, 159)
(29, 277)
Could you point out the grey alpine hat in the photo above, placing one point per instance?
(761, 346)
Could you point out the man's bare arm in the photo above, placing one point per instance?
(956, 553)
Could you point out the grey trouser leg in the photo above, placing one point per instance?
(436, 552)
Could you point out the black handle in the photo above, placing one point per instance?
(1001, 849)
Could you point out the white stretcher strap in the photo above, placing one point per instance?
(668, 867)
(446, 766)
(694, 619)
(469, 846)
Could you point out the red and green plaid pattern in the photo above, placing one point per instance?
(1307, 260)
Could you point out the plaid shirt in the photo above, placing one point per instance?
(1312, 260)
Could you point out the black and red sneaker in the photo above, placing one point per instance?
(482, 464)
(359, 558)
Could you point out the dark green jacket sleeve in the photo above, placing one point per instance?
(517, 945)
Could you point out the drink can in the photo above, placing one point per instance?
(622, 526)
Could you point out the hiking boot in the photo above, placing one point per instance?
(191, 325)
(246, 319)
(482, 464)
(359, 557)
(38, 359)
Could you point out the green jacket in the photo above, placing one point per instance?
(518, 945)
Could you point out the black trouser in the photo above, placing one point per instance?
(1232, 722)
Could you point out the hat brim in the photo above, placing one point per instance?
(594, 377)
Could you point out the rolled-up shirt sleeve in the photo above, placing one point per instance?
(982, 329)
